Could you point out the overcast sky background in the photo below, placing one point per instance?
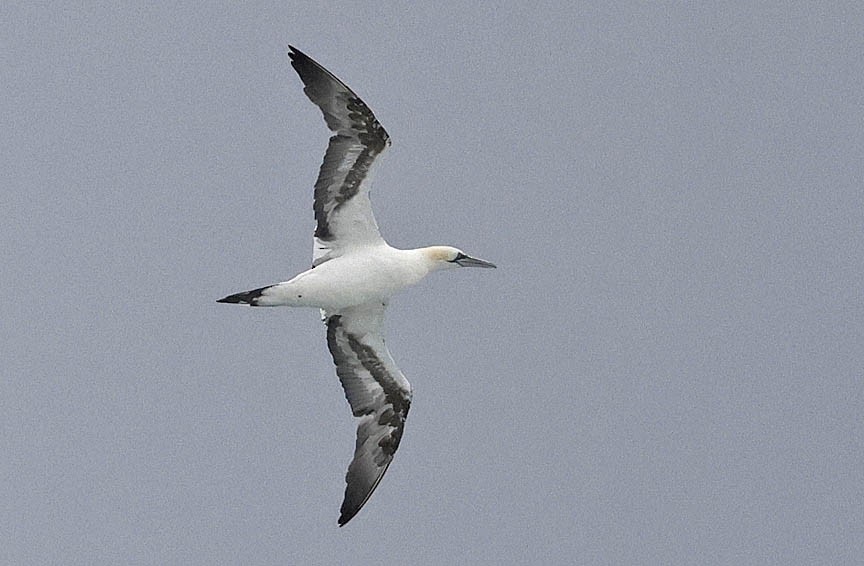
(666, 368)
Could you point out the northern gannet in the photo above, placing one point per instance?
(354, 272)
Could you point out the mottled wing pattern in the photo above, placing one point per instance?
(378, 393)
(343, 212)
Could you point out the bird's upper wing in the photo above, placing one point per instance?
(343, 213)
(378, 393)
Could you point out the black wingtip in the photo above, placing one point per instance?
(349, 510)
(246, 297)
(346, 516)
(294, 53)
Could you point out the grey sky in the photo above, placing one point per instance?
(666, 368)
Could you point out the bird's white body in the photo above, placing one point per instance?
(370, 274)
(354, 273)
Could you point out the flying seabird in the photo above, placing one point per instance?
(354, 272)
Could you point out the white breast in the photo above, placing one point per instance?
(368, 275)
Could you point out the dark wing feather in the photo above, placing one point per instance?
(379, 396)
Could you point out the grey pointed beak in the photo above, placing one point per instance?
(468, 261)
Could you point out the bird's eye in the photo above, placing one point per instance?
(459, 256)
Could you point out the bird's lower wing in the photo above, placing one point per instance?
(378, 393)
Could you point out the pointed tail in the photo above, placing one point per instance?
(246, 297)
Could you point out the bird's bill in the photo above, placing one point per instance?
(474, 262)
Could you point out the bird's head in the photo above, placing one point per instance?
(445, 257)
